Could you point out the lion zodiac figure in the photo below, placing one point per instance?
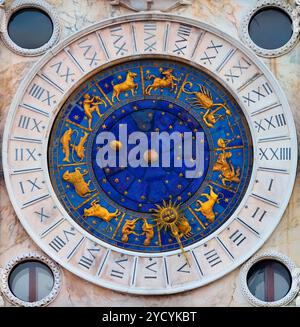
(127, 85)
(203, 99)
(167, 81)
(206, 208)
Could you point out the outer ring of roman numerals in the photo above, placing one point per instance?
(40, 211)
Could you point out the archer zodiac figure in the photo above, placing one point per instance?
(127, 85)
(65, 141)
(96, 210)
(167, 81)
(80, 148)
(90, 105)
(76, 178)
(203, 99)
(206, 208)
(148, 230)
(128, 229)
(228, 172)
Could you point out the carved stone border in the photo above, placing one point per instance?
(294, 15)
(289, 264)
(4, 285)
(39, 4)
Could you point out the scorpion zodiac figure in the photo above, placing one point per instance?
(206, 208)
(228, 172)
(203, 99)
(168, 81)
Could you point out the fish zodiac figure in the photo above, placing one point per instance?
(77, 179)
(89, 106)
(127, 85)
(96, 210)
(206, 208)
(203, 99)
(79, 148)
(228, 172)
(168, 81)
(65, 141)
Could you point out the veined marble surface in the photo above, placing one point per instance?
(75, 15)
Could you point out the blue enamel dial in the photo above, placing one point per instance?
(150, 209)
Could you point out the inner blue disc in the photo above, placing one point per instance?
(141, 188)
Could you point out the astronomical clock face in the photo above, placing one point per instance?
(150, 228)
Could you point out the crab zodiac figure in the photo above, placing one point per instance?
(127, 85)
(168, 81)
(90, 105)
(228, 172)
(203, 99)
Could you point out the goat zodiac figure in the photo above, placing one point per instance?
(203, 99)
(127, 85)
(168, 81)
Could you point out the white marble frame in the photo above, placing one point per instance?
(287, 262)
(5, 273)
(39, 4)
(244, 31)
(172, 18)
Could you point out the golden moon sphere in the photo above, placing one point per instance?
(115, 145)
(150, 156)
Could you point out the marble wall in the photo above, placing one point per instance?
(75, 15)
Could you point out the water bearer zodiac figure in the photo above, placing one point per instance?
(127, 85)
(65, 141)
(228, 172)
(90, 105)
(203, 99)
(167, 81)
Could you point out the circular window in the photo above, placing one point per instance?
(30, 28)
(270, 28)
(31, 281)
(269, 280)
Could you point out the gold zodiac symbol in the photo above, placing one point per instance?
(166, 82)
(204, 100)
(228, 173)
(96, 210)
(127, 85)
(128, 229)
(90, 106)
(79, 148)
(65, 141)
(148, 230)
(206, 208)
(76, 178)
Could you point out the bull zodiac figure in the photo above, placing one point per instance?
(206, 208)
(96, 210)
(203, 99)
(168, 81)
(89, 106)
(127, 85)
(228, 172)
(76, 178)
